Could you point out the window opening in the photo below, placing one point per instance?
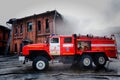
(15, 47)
(16, 30)
(29, 25)
(39, 26)
(47, 26)
(84, 45)
(21, 28)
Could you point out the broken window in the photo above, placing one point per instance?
(21, 47)
(16, 30)
(39, 26)
(21, 28)
(15, 47)
(47, 26)
(29, 25)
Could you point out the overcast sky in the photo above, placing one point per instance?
(90, 15)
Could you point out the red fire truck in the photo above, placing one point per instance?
(82, 50)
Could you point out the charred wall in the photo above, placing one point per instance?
(4, 35)
(33, 29)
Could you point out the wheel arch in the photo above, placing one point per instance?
(36, 53)
(101, 53)
(92, 54)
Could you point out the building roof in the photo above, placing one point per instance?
(41, 14)
(54, 12)
(4, 28)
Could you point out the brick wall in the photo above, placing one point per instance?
(35, 34)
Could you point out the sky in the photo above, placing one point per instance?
(99, 17)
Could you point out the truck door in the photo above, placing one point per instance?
(55, 46)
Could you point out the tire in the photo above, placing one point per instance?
(100, 60)
(40, 63)
(86, 61)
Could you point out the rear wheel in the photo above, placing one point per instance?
(100, 60)
(40, 63)
(86, 61)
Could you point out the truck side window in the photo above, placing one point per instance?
(54, 40)
(84, 45)
(68, 40)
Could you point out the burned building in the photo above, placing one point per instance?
(4, 35)
(33, 29)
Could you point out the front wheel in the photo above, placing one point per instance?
(40, 63)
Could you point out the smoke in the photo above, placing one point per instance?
(71, 25)
(92, 17)
(85, 26)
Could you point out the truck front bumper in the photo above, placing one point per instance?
(22, 59)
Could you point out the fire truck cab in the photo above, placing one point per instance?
(82, 50)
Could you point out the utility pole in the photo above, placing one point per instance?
(12, 22)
